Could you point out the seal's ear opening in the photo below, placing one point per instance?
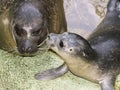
(85, 48)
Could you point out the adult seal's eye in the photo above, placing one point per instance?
(19, 31)
(37, 32)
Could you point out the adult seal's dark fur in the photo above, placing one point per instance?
(96, 59)
(29, 22)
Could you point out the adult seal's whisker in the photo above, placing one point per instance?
(43, 43)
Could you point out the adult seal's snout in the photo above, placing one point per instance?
(28, 47)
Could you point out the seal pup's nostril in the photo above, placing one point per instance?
(48, 37)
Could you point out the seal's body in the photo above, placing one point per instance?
(31, 21)
(96, 59)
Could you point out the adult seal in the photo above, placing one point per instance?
(29, 22)
(96, 59)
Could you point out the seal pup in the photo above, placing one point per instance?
(33, 20)
(96, 59)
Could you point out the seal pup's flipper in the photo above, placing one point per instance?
(108, 83)
(52, 73)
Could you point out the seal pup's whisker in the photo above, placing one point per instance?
(43, 43)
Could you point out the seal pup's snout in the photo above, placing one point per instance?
(52, 35)
(50, 40)
(53, 40)
(49, 37)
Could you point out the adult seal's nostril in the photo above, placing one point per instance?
(23, 49)
(28, 49)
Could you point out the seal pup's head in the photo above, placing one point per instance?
(70, 45)
(30, 26)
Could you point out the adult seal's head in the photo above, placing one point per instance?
(96, 59)
(30, 25)
(24, 24)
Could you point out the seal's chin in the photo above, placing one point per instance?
(16, 52)
(51, 45)
(27, 54)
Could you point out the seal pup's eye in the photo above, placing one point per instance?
(61, 44)
(71, 49)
